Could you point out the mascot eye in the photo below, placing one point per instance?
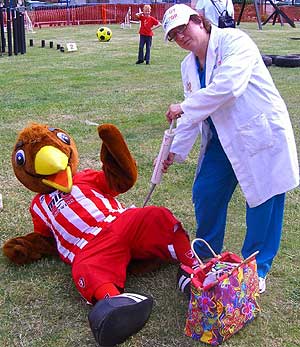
(20, 157)
(65, 138)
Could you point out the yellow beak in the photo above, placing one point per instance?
(53, 163)
(50, 160)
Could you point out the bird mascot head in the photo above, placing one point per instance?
(45, 159)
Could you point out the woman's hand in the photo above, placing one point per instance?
(174, 112)
(168, 162)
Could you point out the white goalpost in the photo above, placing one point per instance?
(28, 22)
(127, 20)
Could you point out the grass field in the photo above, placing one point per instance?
(39, 305)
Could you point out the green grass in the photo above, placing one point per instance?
(39, 305)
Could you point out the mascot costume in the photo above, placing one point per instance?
(76, 215)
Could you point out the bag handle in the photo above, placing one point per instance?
(248, 259)
(218, 255)
(225, 13)
(245, 261)
(208, 246)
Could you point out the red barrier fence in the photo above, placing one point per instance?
(101, 14)
(115, 13)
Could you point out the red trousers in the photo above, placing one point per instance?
(138, 233)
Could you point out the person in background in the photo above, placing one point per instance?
(212, 9)
(148, 24)
(246, 134)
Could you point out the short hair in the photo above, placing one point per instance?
(147, 7)
(199, 18)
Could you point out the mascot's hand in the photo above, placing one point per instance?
(118, 164)
(26, 249)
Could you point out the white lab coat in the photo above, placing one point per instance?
(249, 115)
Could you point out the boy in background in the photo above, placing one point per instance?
(148, 24)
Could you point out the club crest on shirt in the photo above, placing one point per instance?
(59, 200)
(189, 254)
(81, 282)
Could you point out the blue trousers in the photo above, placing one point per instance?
(144, 40)
(212, 191)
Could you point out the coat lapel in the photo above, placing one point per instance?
(212, 54)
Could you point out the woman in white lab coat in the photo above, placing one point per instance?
(246, 134)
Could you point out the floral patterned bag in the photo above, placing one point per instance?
(224, 294)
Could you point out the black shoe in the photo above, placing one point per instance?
(116, 318)
(184, 282)
(139, 62)
(147, 63)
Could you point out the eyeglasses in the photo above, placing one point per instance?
(174, 32)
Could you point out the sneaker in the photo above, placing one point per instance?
(114, 319)
(261, 285)
(184, 282)
(147, 63)
(139, 62)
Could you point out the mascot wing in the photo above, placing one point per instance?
(118, 165)
(29, 248)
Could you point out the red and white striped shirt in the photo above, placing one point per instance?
(75, 218)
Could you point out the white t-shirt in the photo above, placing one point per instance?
(210, 12)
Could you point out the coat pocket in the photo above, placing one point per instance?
(256, 135)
